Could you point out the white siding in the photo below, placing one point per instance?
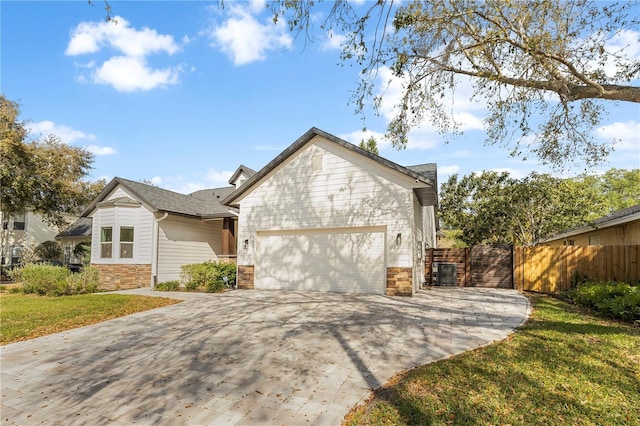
(418, 244)
(349, 191)
(139, 218)
(182, 241)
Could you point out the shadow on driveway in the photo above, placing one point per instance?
(245, 357)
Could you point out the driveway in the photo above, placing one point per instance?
(244, 357)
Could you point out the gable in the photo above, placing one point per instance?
(425, 188)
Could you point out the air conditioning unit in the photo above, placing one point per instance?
(444, 274)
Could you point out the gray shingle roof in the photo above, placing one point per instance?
(242, 168)
(203, 204)
(79, 228)
(425, 173)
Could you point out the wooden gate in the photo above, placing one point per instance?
(478, 266)
(491, 266)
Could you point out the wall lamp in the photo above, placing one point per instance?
(398, 239)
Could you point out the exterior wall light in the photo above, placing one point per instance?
(398, 239)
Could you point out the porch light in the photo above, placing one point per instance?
(398, 239)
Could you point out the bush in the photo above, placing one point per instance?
(48, 250)
(83, 282)
(208, 275)
(216, 283)
(50, 280)
(167, 286)
(615, 299)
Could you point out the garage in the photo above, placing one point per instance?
(341, 260)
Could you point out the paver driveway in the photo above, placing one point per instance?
(244, 357)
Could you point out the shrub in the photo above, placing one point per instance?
(50, 280)
(615, 299)
(216, 283)
(42, 279)
(208, 275)
(83, 282)
(168, 286)
(48, 250)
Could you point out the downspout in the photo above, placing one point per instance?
(157, 249)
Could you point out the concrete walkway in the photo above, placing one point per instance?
(244, 357)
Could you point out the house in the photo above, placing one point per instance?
(142, 235)
(78, 232)
(22, 233)
(618, 228)
(326, 215)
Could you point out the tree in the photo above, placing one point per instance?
(479, 205)
(45, 176)
(370, 145)
(493, 208)
(48, 250)
(544, 67)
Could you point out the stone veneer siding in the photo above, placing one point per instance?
(399, 281)
(122, 277)
(245, 277)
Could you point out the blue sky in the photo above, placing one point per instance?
(181, 93)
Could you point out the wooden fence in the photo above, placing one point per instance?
(550, 270)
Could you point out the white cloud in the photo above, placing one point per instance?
(90, 37)
(128, 74)
(156, 180)
(626, 134)
(218, 177)
(101, 150)
(448, 170)
(418, 139)
(245, 39)
(333, 41)
(466, 113)
(66, 133)
(129, 69)
(514, 173)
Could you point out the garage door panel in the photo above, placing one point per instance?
(346, 262)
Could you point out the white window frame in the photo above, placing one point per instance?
(106, 244)
(126, 247)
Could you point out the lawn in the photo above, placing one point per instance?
(565, 366)
(24, 317)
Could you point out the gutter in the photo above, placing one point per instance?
(154, 275)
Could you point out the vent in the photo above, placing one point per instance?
(445, 274)
(316, 162)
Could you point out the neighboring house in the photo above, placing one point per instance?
(142, 235)
(326, 215)
(22, 233)
(78, 232)
(618, 228)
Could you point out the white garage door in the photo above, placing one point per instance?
(321, 261)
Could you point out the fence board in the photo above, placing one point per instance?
(551, 269)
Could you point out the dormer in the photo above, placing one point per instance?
(241, 175)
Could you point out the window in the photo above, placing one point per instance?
(16, 255)
(126, 242)
(19, 222)
(67, 255)
(106, 235)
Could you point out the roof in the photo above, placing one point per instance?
(423, 174)
(619, 217)
(247, 171)
(79, 228)
(203, 204)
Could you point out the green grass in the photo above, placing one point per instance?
(564, 367)
(24, 317)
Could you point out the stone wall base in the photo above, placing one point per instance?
(227, 259)
(245, 277)
(399, 281)
(123, 277)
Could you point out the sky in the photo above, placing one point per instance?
(182, 93)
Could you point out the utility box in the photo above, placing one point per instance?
(447, 274)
